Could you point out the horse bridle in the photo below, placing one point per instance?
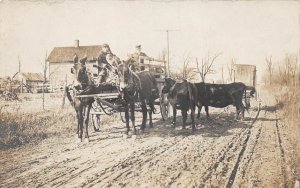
(132, 83)
(83, 85)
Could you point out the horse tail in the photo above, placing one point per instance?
(152, 108)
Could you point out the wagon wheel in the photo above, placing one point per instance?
(164, 106)
(95, 119)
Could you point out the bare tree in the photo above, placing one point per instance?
(288, 70)
(187, 72)
(186, 61)
(269, 68)
(206, 66)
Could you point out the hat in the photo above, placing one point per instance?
(138, 46)
(105, 45)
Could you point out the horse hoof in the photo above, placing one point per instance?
(86, 140)
(78, 140)
(133, 137)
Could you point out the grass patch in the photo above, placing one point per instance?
(21, 128)
(290, 112)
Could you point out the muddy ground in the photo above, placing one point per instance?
(221, 153)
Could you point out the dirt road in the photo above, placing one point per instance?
(221, 153)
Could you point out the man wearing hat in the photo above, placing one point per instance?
(103, 53)
(135, 57)
(103, 65)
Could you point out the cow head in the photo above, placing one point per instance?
(169, 82)
(252, 92)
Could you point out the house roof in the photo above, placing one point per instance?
(31, 76)
(66, 54)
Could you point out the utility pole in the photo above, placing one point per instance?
(168, 49)
(45, 79)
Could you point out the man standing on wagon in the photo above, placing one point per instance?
(135, 57)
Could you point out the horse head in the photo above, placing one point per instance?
(169, 82)
(127, 77)
(81, 75)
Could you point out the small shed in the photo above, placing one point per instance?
(29, 78)
(32, 82)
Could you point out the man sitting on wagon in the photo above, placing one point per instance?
(106, 61)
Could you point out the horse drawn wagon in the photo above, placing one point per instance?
(245, 74)
(106, 98)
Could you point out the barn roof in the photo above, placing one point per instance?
(31, 76)
(66, 54)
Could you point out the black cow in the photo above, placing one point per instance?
(181, 96)
(222, 95)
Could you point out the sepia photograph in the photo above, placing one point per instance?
(152, 93)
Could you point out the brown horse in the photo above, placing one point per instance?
(82, 85)
(137, 87)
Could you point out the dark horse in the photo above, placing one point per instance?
(183, 96)
(137, 87)
(82, 85)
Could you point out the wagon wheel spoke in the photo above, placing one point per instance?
(164, 107)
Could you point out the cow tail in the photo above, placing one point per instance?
(195, 95)
(245, 97)
(191, 97)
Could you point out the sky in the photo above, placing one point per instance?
(246, 31)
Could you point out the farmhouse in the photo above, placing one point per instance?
(61, 60)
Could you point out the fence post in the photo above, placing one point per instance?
(65, 92)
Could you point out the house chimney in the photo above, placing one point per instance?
(76, 43)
